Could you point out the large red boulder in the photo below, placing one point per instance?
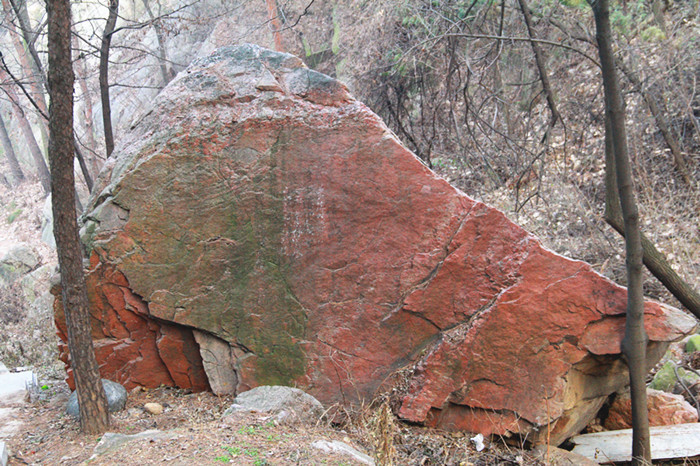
(263, 206)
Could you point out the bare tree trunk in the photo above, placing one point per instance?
(541, 66)
(94, 416)
(15, 169)
(41, 168)
(166, 71)
(274, 19)
(654, 260)
(650, 99)
(20, 7)
(31, 72)
(88, 122)
(104, 75)
(37, 97)
(635, 340)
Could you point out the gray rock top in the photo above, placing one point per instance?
(285, 404)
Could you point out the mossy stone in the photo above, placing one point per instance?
(693, 344)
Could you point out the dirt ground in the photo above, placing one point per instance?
(199, 436)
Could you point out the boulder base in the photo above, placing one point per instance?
(262, 205)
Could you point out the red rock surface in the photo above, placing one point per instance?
(665, 409)
(260, 204)
(132, 348)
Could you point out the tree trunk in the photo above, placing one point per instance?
(15, 169)
(20, 7)
(82, 74)
(635, 340)
(274, 18)
(660, 122)
(104, 75)
(166, 72)
(541, 67)
(32, 73)
(41, 168)
(94, 417)
(654, 260)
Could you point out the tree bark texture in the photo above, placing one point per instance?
(38, 157)
(104, 75)
(94, 417)
(15, 169)
(635, 340)
(653, 259)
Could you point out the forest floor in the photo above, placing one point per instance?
(195, 433)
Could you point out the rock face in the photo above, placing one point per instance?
(18, 261)
(260, 204)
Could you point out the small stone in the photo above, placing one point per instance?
(153, 408)
(116, 398)
(18, 261)
(111, 441)
(335, 446)
(693, 344)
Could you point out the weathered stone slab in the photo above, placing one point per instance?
(217, 359)
(259, 203)
(285, 404)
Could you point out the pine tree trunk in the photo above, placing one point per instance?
(94, 417)
(635, 340)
